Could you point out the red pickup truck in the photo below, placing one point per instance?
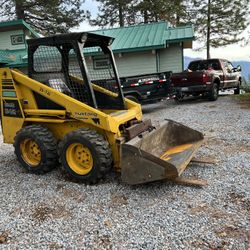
(206, 77)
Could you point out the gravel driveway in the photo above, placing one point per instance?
(49, 212)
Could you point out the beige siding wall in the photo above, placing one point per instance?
(5, 41)
(129, 64)
(171, 58)
(136, 63)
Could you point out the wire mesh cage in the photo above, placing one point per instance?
(77, 71)
(58, 67)
(100, 68)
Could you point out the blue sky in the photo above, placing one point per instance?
(232, 52)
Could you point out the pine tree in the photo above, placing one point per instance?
(112, 13)
(127, 12)
(173, 11)
(220, 22)
(46, 17)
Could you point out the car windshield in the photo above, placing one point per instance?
(204, 65)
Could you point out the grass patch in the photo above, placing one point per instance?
(247, 89)
(243, 97)
(243, 100)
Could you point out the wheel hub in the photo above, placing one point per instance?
(30, 152)
(79, 158)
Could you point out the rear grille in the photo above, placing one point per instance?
(7, 82)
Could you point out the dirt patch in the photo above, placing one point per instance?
(239, 199)
(44, 212)
(4, 237)
(119, 199)
(71, 193)
(205, 244)
(105, 242)
(231, 231)
(243, 101)
(54, 245)
(211, 212)
(212, 106)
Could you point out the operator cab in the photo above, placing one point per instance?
(80, 65)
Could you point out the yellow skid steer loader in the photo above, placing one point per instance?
(70, 109)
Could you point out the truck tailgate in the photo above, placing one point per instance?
(185, 79)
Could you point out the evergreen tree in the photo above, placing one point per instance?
(47, 17)
(113, 12)
(173, 11)
(127, 12)
(220, 22)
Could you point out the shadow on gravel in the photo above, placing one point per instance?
(149, 108)
(169, 104)
(196, 99)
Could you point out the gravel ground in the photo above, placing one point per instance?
(49, 212)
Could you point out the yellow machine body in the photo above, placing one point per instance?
(19, 87)
(139, 151)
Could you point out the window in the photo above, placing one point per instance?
(228, 66)
(204, 65)
(101, 63)
(17, 39)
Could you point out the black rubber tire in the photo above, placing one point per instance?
(132, 98)
(214, 92)
(237, 90)
(179, 98)
(47, 145)
(99, 148)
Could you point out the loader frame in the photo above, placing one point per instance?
(62, 109)
(18, 103)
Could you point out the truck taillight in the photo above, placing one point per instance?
(205, 78)
(134, 84)
(162, 80)
(148, 82)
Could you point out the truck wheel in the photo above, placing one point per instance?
(85, 155)
(179, 98)
(36, 149)
(214, 92)
(237, 90)
(132, 98)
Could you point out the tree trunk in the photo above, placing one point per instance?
(145, 14)
(208, 28)
(19, 9)
(178, 8)
(121, 17)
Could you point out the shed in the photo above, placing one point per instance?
(148, 48)
(138, 49)
(13, 46)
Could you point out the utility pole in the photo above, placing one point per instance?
(208, 28)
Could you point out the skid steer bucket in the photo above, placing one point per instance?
(163, 153)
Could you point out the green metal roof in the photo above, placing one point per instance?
(15, 23)
(13, 58)
(127, 39)
(146, 36)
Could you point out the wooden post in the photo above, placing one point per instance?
(208, 28)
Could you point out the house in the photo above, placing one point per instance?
(138, 49)
(13, 46)
(148, 48)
